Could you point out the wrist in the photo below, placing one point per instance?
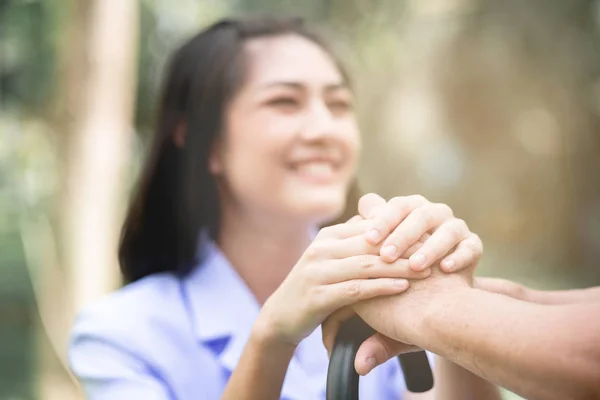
(431, 325)
(266, 333)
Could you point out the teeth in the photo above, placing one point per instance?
(318, 169)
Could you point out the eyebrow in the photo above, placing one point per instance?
(297, 85)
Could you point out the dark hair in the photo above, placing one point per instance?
(177, 195)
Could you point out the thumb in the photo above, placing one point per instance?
(376, 350)
(331, 326)
(369, 204)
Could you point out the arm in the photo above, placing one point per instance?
(338, 269)
(520, 292)
(478, 345)
(263, 357)
(453, 382)
(537, 351)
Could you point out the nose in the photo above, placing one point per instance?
(319, 122)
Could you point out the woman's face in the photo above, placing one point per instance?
(291, 138)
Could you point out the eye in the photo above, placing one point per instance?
(340, 106)
(284, 103)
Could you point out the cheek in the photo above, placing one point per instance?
(352, 143)
(256, 137)
(254, 159)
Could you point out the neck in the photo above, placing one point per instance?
(262, 251)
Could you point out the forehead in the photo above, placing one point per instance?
(289, 58)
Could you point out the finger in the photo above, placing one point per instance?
(345, 293)
(376, 350)
(415, 247)
(369, 266)
(420, 221)
(467, 253)
(344, 230)
(440, 243)
(369, 204)
(391, 215)
(331, 326)
(354, 219)
(344, 248)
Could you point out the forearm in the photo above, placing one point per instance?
(453, 382)
(260, 371)
(564, 296)
(521, 292)
(538, 351)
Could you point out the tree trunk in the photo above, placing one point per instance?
(95, 103)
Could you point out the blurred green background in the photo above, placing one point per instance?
(492, 107)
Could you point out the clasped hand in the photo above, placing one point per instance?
(351, 267)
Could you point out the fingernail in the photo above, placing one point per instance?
(370, 363)
(373, 235)
(450, 264)
(418, 260)
(389, 251)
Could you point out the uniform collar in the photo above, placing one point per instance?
(223, 311)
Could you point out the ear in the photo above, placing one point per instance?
(215, 159)
(180, 134)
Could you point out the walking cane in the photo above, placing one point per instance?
(342, 379)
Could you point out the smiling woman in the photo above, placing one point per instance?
(256, 147)
(291, 141)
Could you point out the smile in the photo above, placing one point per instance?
(316, 171)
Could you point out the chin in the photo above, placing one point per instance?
(320, 209)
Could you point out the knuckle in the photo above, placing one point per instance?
(322, 233)
(458, 228)
(425, 215)
(383, 224)
(317, 297)
(400, 205)
(366, 261)
(444, 209)
(353, 289)
(418, 199)
(326, 232)
(311, 253)
(316, 250)
(397, 201)
(475, 244)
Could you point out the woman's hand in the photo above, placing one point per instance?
(338, 269)
(424, 232)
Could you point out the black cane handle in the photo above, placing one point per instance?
(342, 379)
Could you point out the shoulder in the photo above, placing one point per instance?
(134, 314)
(140, 338)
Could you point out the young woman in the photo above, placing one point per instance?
(256, 146)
